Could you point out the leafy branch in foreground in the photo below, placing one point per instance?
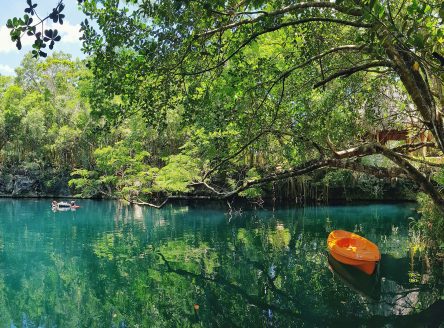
(27, 27)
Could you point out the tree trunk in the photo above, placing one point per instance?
(417, 86)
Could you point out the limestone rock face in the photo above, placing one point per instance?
(23, 185)
(6, 183)
(34, 183)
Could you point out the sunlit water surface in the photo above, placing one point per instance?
(110, 265)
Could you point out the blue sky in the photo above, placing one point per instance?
(10, 57)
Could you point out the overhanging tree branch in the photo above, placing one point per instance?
(349, 47)
(257, 136)
(352, 70)
(374, 148)
(275, 28)
(312, 166)
(418, 160)
(302, 169)
(349, 159)
(299, 6)
(414, 146)
(239, 151)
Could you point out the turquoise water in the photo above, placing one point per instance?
(110, 265)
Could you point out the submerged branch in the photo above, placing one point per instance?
(142, 203)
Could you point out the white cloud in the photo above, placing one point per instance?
(6, 45)
(69, 33)
(6, 70)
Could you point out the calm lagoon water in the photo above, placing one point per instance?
(111, 265)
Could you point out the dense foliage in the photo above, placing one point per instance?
(42, 119)
(50, 135)
(47, 133)
(241, 75)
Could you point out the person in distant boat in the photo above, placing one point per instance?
(54, 204)
(74, 205)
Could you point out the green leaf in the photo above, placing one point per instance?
(379, 10)
(419, 40)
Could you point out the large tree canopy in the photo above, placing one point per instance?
(282, 82)
(311, 75)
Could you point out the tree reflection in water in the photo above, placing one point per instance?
(150, 268)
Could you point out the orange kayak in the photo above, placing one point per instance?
(352, 249)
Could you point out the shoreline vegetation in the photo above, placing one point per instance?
(315, 191)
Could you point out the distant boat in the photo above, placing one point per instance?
(352, 249)
(63, 206)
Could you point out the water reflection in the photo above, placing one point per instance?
(113, 265)
(367, 285)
